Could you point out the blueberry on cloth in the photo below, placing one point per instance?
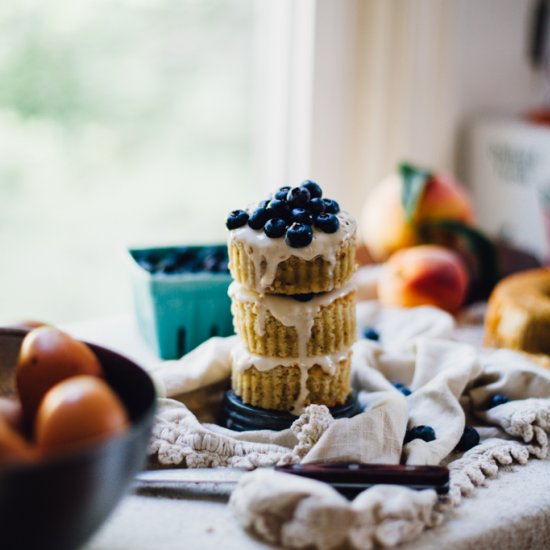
(275, 228)
(301, 215)
(331, 206)
(371, 333)
(282, 192)
(298, 197)
(314, 189)
(316, 206)
(496, 400)
(279, 208)
(328, 223)
(237, 218)
(426, 433)
(469, 439)
(402, 388)
(298, 235)
(258, 218)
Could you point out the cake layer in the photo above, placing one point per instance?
(290, 385)
(280, 326)
(269, 265)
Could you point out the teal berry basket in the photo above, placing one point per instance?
(180, 296)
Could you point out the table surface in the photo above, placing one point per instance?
(511, 512)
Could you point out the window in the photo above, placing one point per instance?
(121, 122)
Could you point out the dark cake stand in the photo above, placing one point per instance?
(241, 417)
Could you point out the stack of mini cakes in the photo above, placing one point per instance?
(292, 258)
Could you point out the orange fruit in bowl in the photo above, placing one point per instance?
(80, 409)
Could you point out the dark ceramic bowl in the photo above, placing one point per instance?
(58, 503)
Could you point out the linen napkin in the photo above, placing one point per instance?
(450, 381)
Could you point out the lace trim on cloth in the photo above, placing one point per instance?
(179, 439)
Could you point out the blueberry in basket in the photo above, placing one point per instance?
(178, 260)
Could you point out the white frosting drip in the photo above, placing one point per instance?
(268, 253)
(289, 312)
(244, 360)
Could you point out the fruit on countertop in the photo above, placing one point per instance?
(424, 275)
(400, 203)
(48, 356)
(77, 410)
(294, 212)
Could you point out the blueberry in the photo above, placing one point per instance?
(148, 266)
(328, 223)
(259, 217)
(176, 262)
(263, 204)
(282, 192)
(303, 297)
(298, 197)
(279, 208)
(236, 219)
(426, 433)
(331, 207)
(212, 258)
(402, 388)
(301, 215)
(298, 235)
(469, 439)
(315, 190)
(316, 206)
(275, 228)
(371, 334)
(497, 399)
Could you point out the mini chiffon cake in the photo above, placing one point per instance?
(268, 265)
(289, 384)
(292, 257)
(279, 326)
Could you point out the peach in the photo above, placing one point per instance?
(424, 275)
(387, 227)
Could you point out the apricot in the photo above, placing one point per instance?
(47, 356)
(424, 275)
(387, 226)
(82, 409)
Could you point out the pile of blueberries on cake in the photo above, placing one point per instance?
(292, 212)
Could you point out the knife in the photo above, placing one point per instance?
(348, 479)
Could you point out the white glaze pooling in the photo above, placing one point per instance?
(289, 312)
(268, 253)
(244, 360)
